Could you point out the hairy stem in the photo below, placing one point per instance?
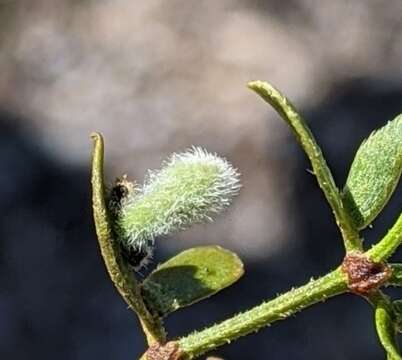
(384, 315)
(389, 243)
(306, 139)
(120, 274)
(250, 321)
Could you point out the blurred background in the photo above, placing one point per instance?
(157, 77)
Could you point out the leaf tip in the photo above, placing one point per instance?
(96, 136)
(257, 85)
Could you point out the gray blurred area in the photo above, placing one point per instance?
(156, 77)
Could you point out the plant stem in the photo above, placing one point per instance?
(120, 274)
(250, 321)
(307, 141)
(384, 314)
(388, 244)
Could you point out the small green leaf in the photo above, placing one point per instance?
(386, 332)
(397, 304)
(374, 173)
(191, 276)
(310, 146)
(396, 277)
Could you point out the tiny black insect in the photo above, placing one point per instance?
(137, 257)
(118, 193)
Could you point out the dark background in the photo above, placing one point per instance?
(156, 77)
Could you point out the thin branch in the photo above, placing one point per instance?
(384, 315)
(250, 321)
(388, 244)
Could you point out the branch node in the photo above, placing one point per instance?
(168, 351)
(364, 276)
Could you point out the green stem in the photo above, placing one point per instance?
(379, 299)
(120, 274)
(306, 139)
(389, 243)
(384, 315)
(250, 321)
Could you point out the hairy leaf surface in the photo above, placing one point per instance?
(374, 173)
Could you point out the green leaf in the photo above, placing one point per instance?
(374, 173)
(397, 305)
(310, 146)
(118, 270)
(116, 267)
(396, 277)
(191, 276)
(386, 332)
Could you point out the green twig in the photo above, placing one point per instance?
(250, 321)
(120, 274)
(384, 315)
(306, 139)
(389, 243)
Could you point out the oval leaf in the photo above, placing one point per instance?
(386, 332)
(191, 276)
(374, 173)
(306, 139)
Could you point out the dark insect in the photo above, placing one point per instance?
(117, 195)
(119, 191)
(137, 258)
(136, 255)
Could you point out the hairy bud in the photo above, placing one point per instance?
(190, 188)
